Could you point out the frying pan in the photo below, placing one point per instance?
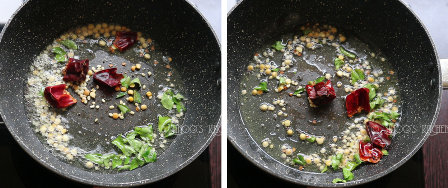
(179, 30)
(389, 26)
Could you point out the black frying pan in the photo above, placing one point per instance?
(388, 25)
(178, 29)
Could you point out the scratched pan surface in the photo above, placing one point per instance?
(388, 26)
(179, 30)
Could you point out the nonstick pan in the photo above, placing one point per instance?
(179, 30)
(390, 26)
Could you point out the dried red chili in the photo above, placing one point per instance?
(76, 70)
(108, 77)
(357, 101)
(369, 152)
(124, 40)
(379, 135)
(321, 93)
(58, 97)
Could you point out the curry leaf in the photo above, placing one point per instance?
(394, 115)
(126, 161)
(306, 31)
(278, 45)
(385, 152)
(107, 158)
(127, 150)
(376, 103)
(41, 92)
(136, 81)
(69, 43)
(180, 108)
(167, 100)
(116, 161)
(386, 118)
(301, 158)
(338, 63)
(59, 50)
(143, 149)
(357, 159)
(318, 80)
(150, 156)
(351, 165)
(347, 174)
(171, 130)
(94, 158)
(123, 108)
(297, 161)
(146, 133)
(163, 122)
(339, 180)
(125, 167)
(130, 135)
(367, 139)
(60, 58)
(121, 94)
(372, 90)
(311, 139)
(336, 160)
(178, 97)
(263, 86)
(282, 80)
(134, 164)
(347, 53)
(135, 144)
(356, 75)
(126, 81)
(297, 91)
(137, 97)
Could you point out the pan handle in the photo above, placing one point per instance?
(444, 66)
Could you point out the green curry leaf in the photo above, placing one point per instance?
(278, 46)
(69, 43)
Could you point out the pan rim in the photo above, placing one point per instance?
(20, 141)
(233, 141)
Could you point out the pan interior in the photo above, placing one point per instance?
(178, 28)
(392, 28)
(91, 129)
(326, 121)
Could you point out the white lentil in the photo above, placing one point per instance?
(65, 138)
(320, 140)
(43, 129)
(308, 160)
(288, 151)
(74, 152)
(265, 144)
(322, 150)
(89, 164)
(102, 43)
